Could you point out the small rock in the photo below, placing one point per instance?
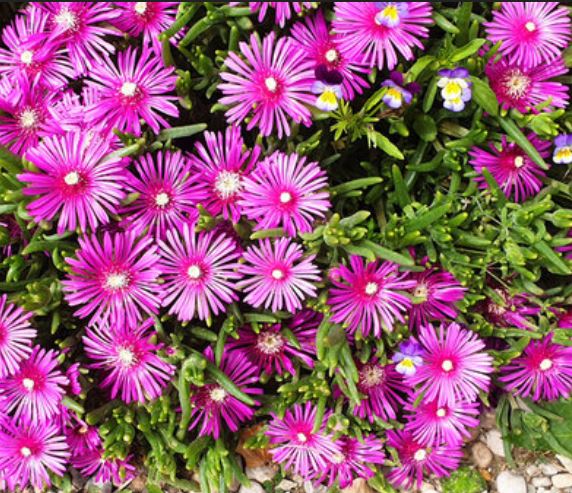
(562, 481)
(359, 485)
(533, 470)
(549, 469)
(260, 474)
(310, 488)
(508, 482)
(427, 487)
(541, 481)
(286, 485)
(566, 462)
(481, 454)
(253, 488)
(488, 420)
(531, 489)
(494, 442)
(138, 484)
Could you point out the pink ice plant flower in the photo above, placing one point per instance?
(29, 452)
(379, 31)
(418, 459)
(136, 88)
(95, 464)
(34, 392)
(115, 278)
(16, 336)
(518, 176)
(283, 10)
(297, 445)
(285, 191)
(166, 198)
(81, 437)
(220, 166)
(366, 297)
(200, 272)
(272, 83)
(543, 371)
(277, 275)
(510, 310)
(212, 405)
(77, 178)
(531, 33)
(455, 366)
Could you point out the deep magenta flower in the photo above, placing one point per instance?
(367, 297)
(16, 337)
(129, 359)
(543, 371)
(383, 390)
(114, 278)
(416, 459)
(325, 50)
(213, 405)
(221, 165)
(271, 85)
(354, 460)
(432, 424)
(284, 191)
(200, 271)
(302, 450)
(434, 297)
(522, 88)
(455, 366)
(507, 310)
(34, 392)
(378, 31)
(532, 33)
(517, 175)
(278, 276)
(77, 179)
(283, 10)
(135, 89)
(164, 184)
(95, 464)
(81, 437)
(565, 320)
(29, 452)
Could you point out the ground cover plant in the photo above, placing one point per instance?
(325, 235)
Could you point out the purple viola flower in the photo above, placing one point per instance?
(408, 357)
(398, 92)
(563, 149)
(455, 88)
(328, 95)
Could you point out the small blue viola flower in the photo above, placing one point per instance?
(397, 92)
(563, 149)
(455, 88)
(391, 13)
(408, 357)
(328, 87)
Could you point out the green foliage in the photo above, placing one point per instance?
(464, 480)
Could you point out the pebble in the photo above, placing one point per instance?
(481, 454)
(359, 485)
(427, 487)
(541, 481)
(566, 462)
(253, 488)
(562, 480)
(488, 420)
(549, 469)
(508, 482)
(260, 474)
(286, 485)
(310, 488)
(494, 442)
(533, 470)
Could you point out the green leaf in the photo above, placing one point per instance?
(485, 96)
(418, 67)
(516, 134)
(355, 185)
(10, 161)
(267, 233)
(400, 187)
(383, 143)
(466, 51)
(425, 127)
(386, 254)
(228, 385)
(180, 132)
(445, 24)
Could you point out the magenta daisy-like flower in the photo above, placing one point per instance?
(507, 310)
(82, 27)
(283, 10)
(417, 459)
(102, 469)
(455, 365)
(115, 278)
(432, 424)
(82, 438)
(29, 452)
(272, 84)
(213, 405)
(296, 445)
(367, 297)
(129, 359)
(285, 191)
(434, 297)
(532, 33)
(543, 371)
(221, 165)
(16, 337)
(30, 56)
(517, 175)
(34, 392)
(565, 320)
(325, 50)
(352, 460)
(200, 271)
(77, 179)
(382, 388)
(278, 275)
(148, 19)
(135, 89)
(378, 31)
(271, 351)
(520, 87)
(164, 184)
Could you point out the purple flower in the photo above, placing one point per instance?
(81, 437)
(101, 468)
(455, 88)
(507, 310)
(283, 10)
(398, 92)
(328, 95)
(563, 149)
(16, 337)
(408, 357)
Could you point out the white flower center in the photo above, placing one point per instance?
(128, 89)
(518, 162)
(28, 384)
(516, 84)
(25, 451)
(66, 19)
(28, 118)
(162, 199)
(421, 291)
(302, 437)
(372, 375)
(447, 365)
(545, 364)
(285, 197)
(269, 342)
(218, 394)
(277, 274)
(126, 357)
(338, 458)
(371, 288)
(72, 178)
(140, 7)
(271, 84)
(420, 455)
(441, 413)
(116, 280)
(530, 26)
(194, 272)
(332, 55)
(27, 57)
(227, 184)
